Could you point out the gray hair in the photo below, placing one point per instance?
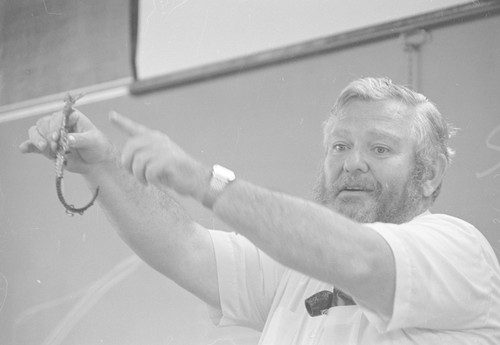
(428, 127)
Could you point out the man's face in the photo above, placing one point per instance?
(369, 173)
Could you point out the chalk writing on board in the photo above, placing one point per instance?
(88, 297)
(496, 220)
(490, 145)
(4, 284)
(164, 9)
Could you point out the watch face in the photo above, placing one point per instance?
(221, 177)
(223, 173)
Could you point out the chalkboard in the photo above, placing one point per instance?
(71, 280)
(51, 46)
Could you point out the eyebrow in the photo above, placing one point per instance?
(372, 134)
(381, 134)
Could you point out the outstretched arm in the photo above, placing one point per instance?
(159, 230)
(153, 224)
(302, 235)
(314, 240)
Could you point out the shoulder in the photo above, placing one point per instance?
(443, 226)
(433, 227)
(439, 235)
(445, 267)
(436, 220)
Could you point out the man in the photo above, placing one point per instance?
(414, 277)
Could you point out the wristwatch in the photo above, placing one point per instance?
(220, 178)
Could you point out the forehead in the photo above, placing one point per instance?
(374, 118)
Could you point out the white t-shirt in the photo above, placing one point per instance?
(447, 291)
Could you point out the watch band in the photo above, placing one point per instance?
(219, 179)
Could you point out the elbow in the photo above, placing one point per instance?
(372, 279)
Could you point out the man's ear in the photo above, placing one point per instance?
(434, 175)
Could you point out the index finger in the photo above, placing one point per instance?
(28, 147)
(125, 124)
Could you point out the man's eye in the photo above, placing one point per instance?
(339, 147)
(381, 150)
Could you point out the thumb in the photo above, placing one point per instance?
(81, 140)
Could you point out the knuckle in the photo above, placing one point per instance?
(41, 122)
(33, 133)
(149, 176)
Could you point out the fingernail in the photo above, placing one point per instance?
(55, 135)
(71, 139)
(41, 144)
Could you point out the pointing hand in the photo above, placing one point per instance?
(153, 158)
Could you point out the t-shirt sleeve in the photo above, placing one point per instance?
(248, 280)
(443, 279)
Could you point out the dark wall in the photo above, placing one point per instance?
(50, 46)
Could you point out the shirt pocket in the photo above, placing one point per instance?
(341, 326)
(282, 328)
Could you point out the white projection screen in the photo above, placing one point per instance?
(182, 34)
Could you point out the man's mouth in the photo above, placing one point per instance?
(353, 187)
(356, 190)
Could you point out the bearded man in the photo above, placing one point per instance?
(365, 264)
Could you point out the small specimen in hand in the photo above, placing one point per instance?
(62, 151)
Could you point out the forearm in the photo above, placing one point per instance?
(158, 229)
(139, 213)
(310, 238)
(155, 226)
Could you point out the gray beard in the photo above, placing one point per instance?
(396, 210)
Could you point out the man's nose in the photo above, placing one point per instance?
(355, 161)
